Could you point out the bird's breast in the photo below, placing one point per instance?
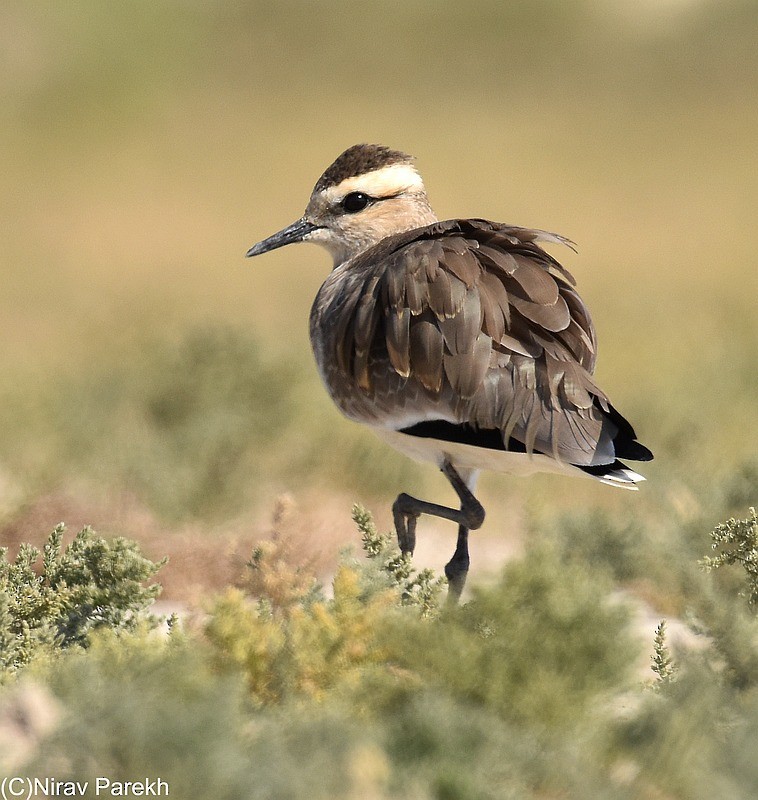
(385, 399)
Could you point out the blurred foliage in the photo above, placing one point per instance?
(195, 426)
(179, 423)
(530, 690)
(91, 584)
(521, 634)
(305, 650)
(205, 409)
(543, 615)
(292, 642)
(147, 706)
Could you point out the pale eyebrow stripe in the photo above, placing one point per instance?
(383, 182)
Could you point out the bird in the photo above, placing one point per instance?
(462, 342)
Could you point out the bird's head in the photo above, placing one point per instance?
(370, 192)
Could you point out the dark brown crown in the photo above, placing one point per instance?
(359, 159)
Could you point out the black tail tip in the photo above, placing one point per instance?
(635, 451)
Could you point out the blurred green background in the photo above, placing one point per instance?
(147, 366)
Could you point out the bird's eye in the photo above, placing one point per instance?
(355, 201)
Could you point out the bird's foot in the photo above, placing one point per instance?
(456, 580)
(456, 570)
(405, 516)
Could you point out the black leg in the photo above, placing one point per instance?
(406, 510)
(471, 509)
(456, 569)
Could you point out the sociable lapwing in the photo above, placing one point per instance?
(460, 342)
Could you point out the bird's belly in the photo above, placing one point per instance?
(470, 457)
(393, 401)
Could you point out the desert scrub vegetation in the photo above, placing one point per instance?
(737, 539)
(385, 631)
(179, 421)
(195, 424)
(55, 599)
(290, 641)
(374, 687)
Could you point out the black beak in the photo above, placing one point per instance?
(292, 233)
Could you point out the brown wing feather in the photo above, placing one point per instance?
(426, 351)
(534, 283)
(487, 323)
(397, 329)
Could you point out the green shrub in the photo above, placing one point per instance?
(92, 583)
(388, 567)
(539, 647)
(654, 555)
(303, 649)
(547, 637)
(662, 663)
(136, 706)
(738, 542)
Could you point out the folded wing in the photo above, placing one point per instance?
(489, 324)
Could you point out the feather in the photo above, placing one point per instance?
(520, 346)
(498, 259)
(361, 370)
(461, 331)
(416, 291)
(367, 315)
(578, 345)
(497, 310)
(461, 262)
(574, 387)
(398, 338)
(446, 295)
(531, 414)
(493, 323)
(466, 370)
(537, 283)
(429, 266)
(455, 244)
(426, 347)
(555, 370)
(393, 290)
(553, 317)
(344, 329)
